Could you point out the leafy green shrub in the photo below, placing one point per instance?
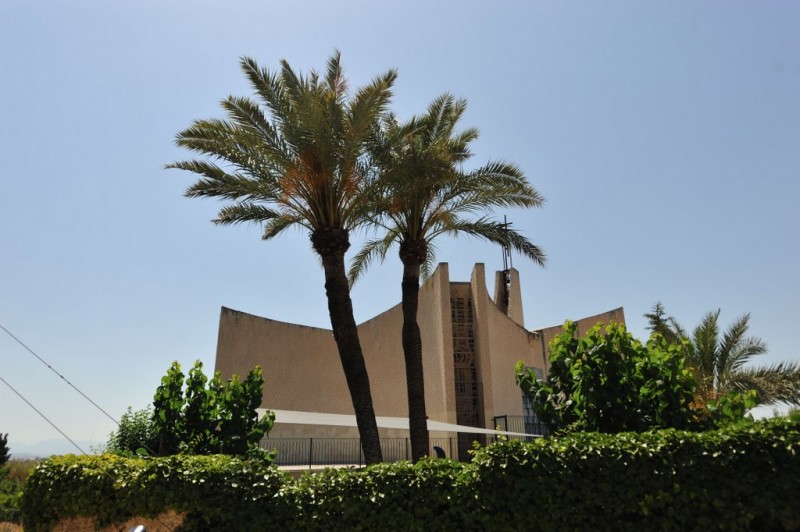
(733, 407)
(12, 480)
(607, 381)
(10, 495)
(218, 419)
(136, 434)
(739, 478)
(10, 489)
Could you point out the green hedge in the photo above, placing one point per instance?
(215, 491)
(430, 495)
(740, 478)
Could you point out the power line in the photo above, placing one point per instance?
(59, 374)
(42, 415)
(151, 451)
(157, 518)
(105, 472)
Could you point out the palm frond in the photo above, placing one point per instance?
(369, 103)
(271, 91)
(679, 332)
(245, 212)
(501, 234)
(373, 249)
(220, 184)
(494, 185)
(706, 347)
(426, 268)
(743, 351)
(779, 383)
(735, 349)
(248, 115)
(336, 82)
(277, 225)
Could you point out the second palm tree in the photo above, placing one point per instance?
(424, 194)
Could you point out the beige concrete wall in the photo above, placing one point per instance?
(302, 370)
(436, 332)
(293, 358)
(301, 367)
(513, 307)
(503, 342)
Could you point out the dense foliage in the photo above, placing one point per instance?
(737, 478)
(10, 489)
(136, 434)
(4, 450)
(205, 417)
(214, 491)
(607, 381)
(220, 418)
(10, 495)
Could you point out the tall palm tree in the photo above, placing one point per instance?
(720, 361)
(295, 156)
(425, 194)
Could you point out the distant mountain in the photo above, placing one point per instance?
(46, 448)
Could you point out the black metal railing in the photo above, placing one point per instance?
(521, 424)
(308, 452)
(346, 451)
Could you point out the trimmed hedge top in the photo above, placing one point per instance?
(743, 477)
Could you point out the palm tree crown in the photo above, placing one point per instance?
(720, 359)
(426, 194)
(297, 156)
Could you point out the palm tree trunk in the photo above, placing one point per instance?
(331, 245)
(412, 350)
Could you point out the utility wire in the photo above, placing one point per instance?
(148, 449)
(42, 415)
(60, 375)
(157, 518)
(107, 474)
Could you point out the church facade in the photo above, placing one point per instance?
(471, 343)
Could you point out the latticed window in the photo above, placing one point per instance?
(469, 394)
(463, 336)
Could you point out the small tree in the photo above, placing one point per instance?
(200, 411)
(218, 419)
(136, 433)
(607, 381)
(168, 410)
(4, 450)
(10, 489)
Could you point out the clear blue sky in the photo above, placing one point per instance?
(664, 135)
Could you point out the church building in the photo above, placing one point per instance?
(470, 342)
